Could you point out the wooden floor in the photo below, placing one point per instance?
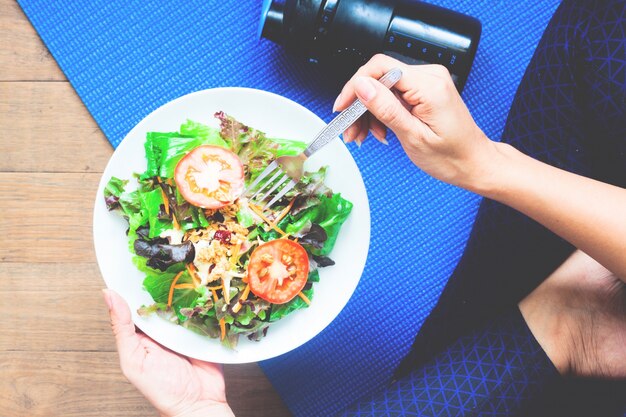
(57, 354)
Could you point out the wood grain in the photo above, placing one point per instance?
(57, 353)
(46, 217)
(85, 384)
(67, 289)
(46, 128)
(22, 54)
(67, 384)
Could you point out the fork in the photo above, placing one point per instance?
(290, 168)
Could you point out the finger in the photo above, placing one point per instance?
(122, 325)
(350, 133)
(384, 106)
(355, 129)
(375, 68)
(436, 70)
(378, 129)
(362, 131)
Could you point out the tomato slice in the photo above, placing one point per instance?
(210, 177)
(278, 270)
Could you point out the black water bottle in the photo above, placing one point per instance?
(344, 34)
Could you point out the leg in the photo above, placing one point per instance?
(492, 372)
(569, 112)
(577, 314)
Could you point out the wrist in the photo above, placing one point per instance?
(487, 172)
(201, 409)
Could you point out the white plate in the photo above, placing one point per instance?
(278, 117)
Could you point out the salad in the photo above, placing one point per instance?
(215, 262)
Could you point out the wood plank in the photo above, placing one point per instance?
(42, 321)
(249, 392)
(47, 128)
(55, 277)
(46, 322)
(22, 53)
(67, 384)
(84, 384)
(46, 217)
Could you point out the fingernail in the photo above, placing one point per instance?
(337, 100)
(381, 140)
(358, 142)
(364, 88)
(107, 299)
(347, 137)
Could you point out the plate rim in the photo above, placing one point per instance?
(225, 89)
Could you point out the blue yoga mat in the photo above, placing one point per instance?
(127, 58)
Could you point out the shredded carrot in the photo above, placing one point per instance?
(222, 322)
(214, 291)
(171, 294)
(222, 329)
(235, 255)
(244, 297)
(169, 182)
(304, 298)
(175, 222)
(166, 202)
(194, 276)
(184, 286)
(284, 212)
(259, 212)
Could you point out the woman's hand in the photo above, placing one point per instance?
(175, 385)
(578, 316)
(440, 136)
(426, 113)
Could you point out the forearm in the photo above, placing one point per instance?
(589, 214)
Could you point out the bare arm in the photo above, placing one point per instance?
(440, 136)
(589, 214)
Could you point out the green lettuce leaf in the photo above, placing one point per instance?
(281, 310)
(158, 220)
(335, 210)
(165, 149)
(158, 285)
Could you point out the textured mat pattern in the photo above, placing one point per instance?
(493, 372)
(126, 59)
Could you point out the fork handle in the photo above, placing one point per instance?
(348, 116)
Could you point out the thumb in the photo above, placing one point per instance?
(384, 105)
(121, 322)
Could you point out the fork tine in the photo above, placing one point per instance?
(280, 182)
(280, 195)
(267, 183)
(268, 170)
